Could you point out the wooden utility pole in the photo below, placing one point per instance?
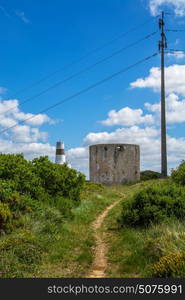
(162, 47)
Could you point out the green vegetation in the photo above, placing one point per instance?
(36, 199)
(45, 216)
(153, 204)
(178, 175)
(171, 265)
(46, 211)
(148, 236)
(135, 252)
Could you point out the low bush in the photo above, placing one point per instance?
(5, 215)
(149, 175)
(19, 253)
(25, 185)
(91, 187)
(12, 204)
(17, 170)
(154, 204)
(171, 265)
(58, 180)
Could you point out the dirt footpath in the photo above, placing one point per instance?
(99, 264)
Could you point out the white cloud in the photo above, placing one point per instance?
(175, 109)
(127, 117)
(22, 16)
(10, 110)
(30, 150)
(24, 138)
(26, 134)
(178, 6)
(174, 74)
(79, 159)
(7, 105)
(36, 120)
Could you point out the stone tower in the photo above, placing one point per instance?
(114, 163)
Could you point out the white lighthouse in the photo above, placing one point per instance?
(60, 153)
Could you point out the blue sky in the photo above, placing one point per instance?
(40, 37)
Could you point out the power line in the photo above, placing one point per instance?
(82, 91)
(175, 30)
(83, 57)
(83, 70)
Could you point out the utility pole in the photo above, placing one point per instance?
(162, 47)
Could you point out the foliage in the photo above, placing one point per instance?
(19, 171)
(171, 265)
(133, 251)
(19, 253)
(58, 179)
(153, 204)
(149, 175)
(24, 185)
(5, 215)
(62, 244)
(12, 204)
(91, 187)
(178, 175)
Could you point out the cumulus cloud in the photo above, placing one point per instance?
(36, 120)
(27, 134)
(9, 109)
(127, 117)
(79, 159)
(175, 109)
(30, 150)
(174, 74)
(24, 138)
(177, 5)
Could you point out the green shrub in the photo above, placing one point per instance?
(19, 254)
(40, 179)
(149, 175)
(171, 265)
(153, 204)
(15, 168)
(5, 215)
(178, 175)
(13, 205)
(91, 187)
(63, 205)
(58, 179)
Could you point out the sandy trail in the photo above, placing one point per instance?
(99, 264)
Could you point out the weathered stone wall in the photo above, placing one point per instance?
(114, 163)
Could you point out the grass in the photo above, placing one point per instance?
(134, 252)
(71, 254)
(47, 246)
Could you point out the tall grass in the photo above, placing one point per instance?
(134, 252)
(47, 243)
